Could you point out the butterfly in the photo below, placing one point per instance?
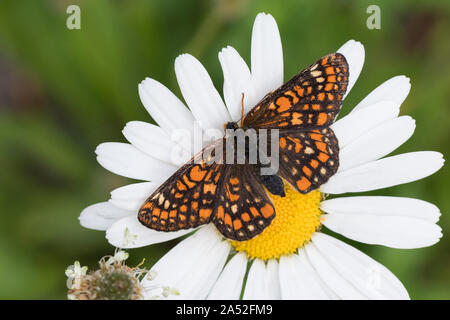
(235, 197)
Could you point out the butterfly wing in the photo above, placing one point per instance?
(311, 99)
(185, 200)
(308, 158)
(229, 195)
(243, 209)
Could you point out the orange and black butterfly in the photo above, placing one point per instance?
(235, 196)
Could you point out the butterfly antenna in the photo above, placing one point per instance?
(242, 110)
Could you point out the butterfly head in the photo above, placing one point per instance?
(231, 125)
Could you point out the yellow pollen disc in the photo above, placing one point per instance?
(297, 218)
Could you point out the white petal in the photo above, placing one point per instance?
(267, 55)
(353, 52)
(377, 142)
(355, 124)
(299, 280)
(383, 206)
(229, 284)
(395, 89)
(255, 286)
(150, 139)
(394, 222)
(125, 160)
(130, 233)
(237, 80)
(352, 274)
(263, 281)
(164, 107)
(387, 172)
(199, 93)
(101, 216)
(132, 196)
(272, 280)
(192, 266)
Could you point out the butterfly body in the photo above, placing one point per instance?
(234, 196)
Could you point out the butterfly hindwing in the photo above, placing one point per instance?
(308, 159)
(311, 99)
(243, 209)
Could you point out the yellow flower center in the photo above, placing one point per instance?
(297, 218)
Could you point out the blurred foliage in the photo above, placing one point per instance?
(63, 91)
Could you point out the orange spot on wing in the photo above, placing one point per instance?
(254, 212)
(267, 211)
(173, 213)
(164, 215)
(197, 174)
(245, 216)
(323, 157)
(314, 163)
(234, 180)
(282, 143)
(321, 146)
(329, 70)
(303, 184)
(284, 103)
(293, 95)
(189, 183)
(321, 118)
(209, 187)
(307, 171)
(316, 136)
(220, 212)
(227, 219)
(237, 224)
(205, 213)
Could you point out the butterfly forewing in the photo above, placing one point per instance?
(186, 200)
(311, 99)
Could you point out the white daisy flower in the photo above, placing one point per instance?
(292, 258)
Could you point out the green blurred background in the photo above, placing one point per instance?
(62, 92)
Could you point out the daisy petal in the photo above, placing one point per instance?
(390, 221)
(382, 140)
(272, 280)
(237, 80)
(383, 173)
(299, 280)
(192, 266)
(267, 55)
(395, 89)
(383, 206)
(132, 196)
(101, 216)
(255, 286)
(355, 124)
(164, 107)
(353, 51)
(229, 284)
(128, 232)
(150, 139)
(352, 274)
(200, 94)
(262, 281)
(126, 160)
